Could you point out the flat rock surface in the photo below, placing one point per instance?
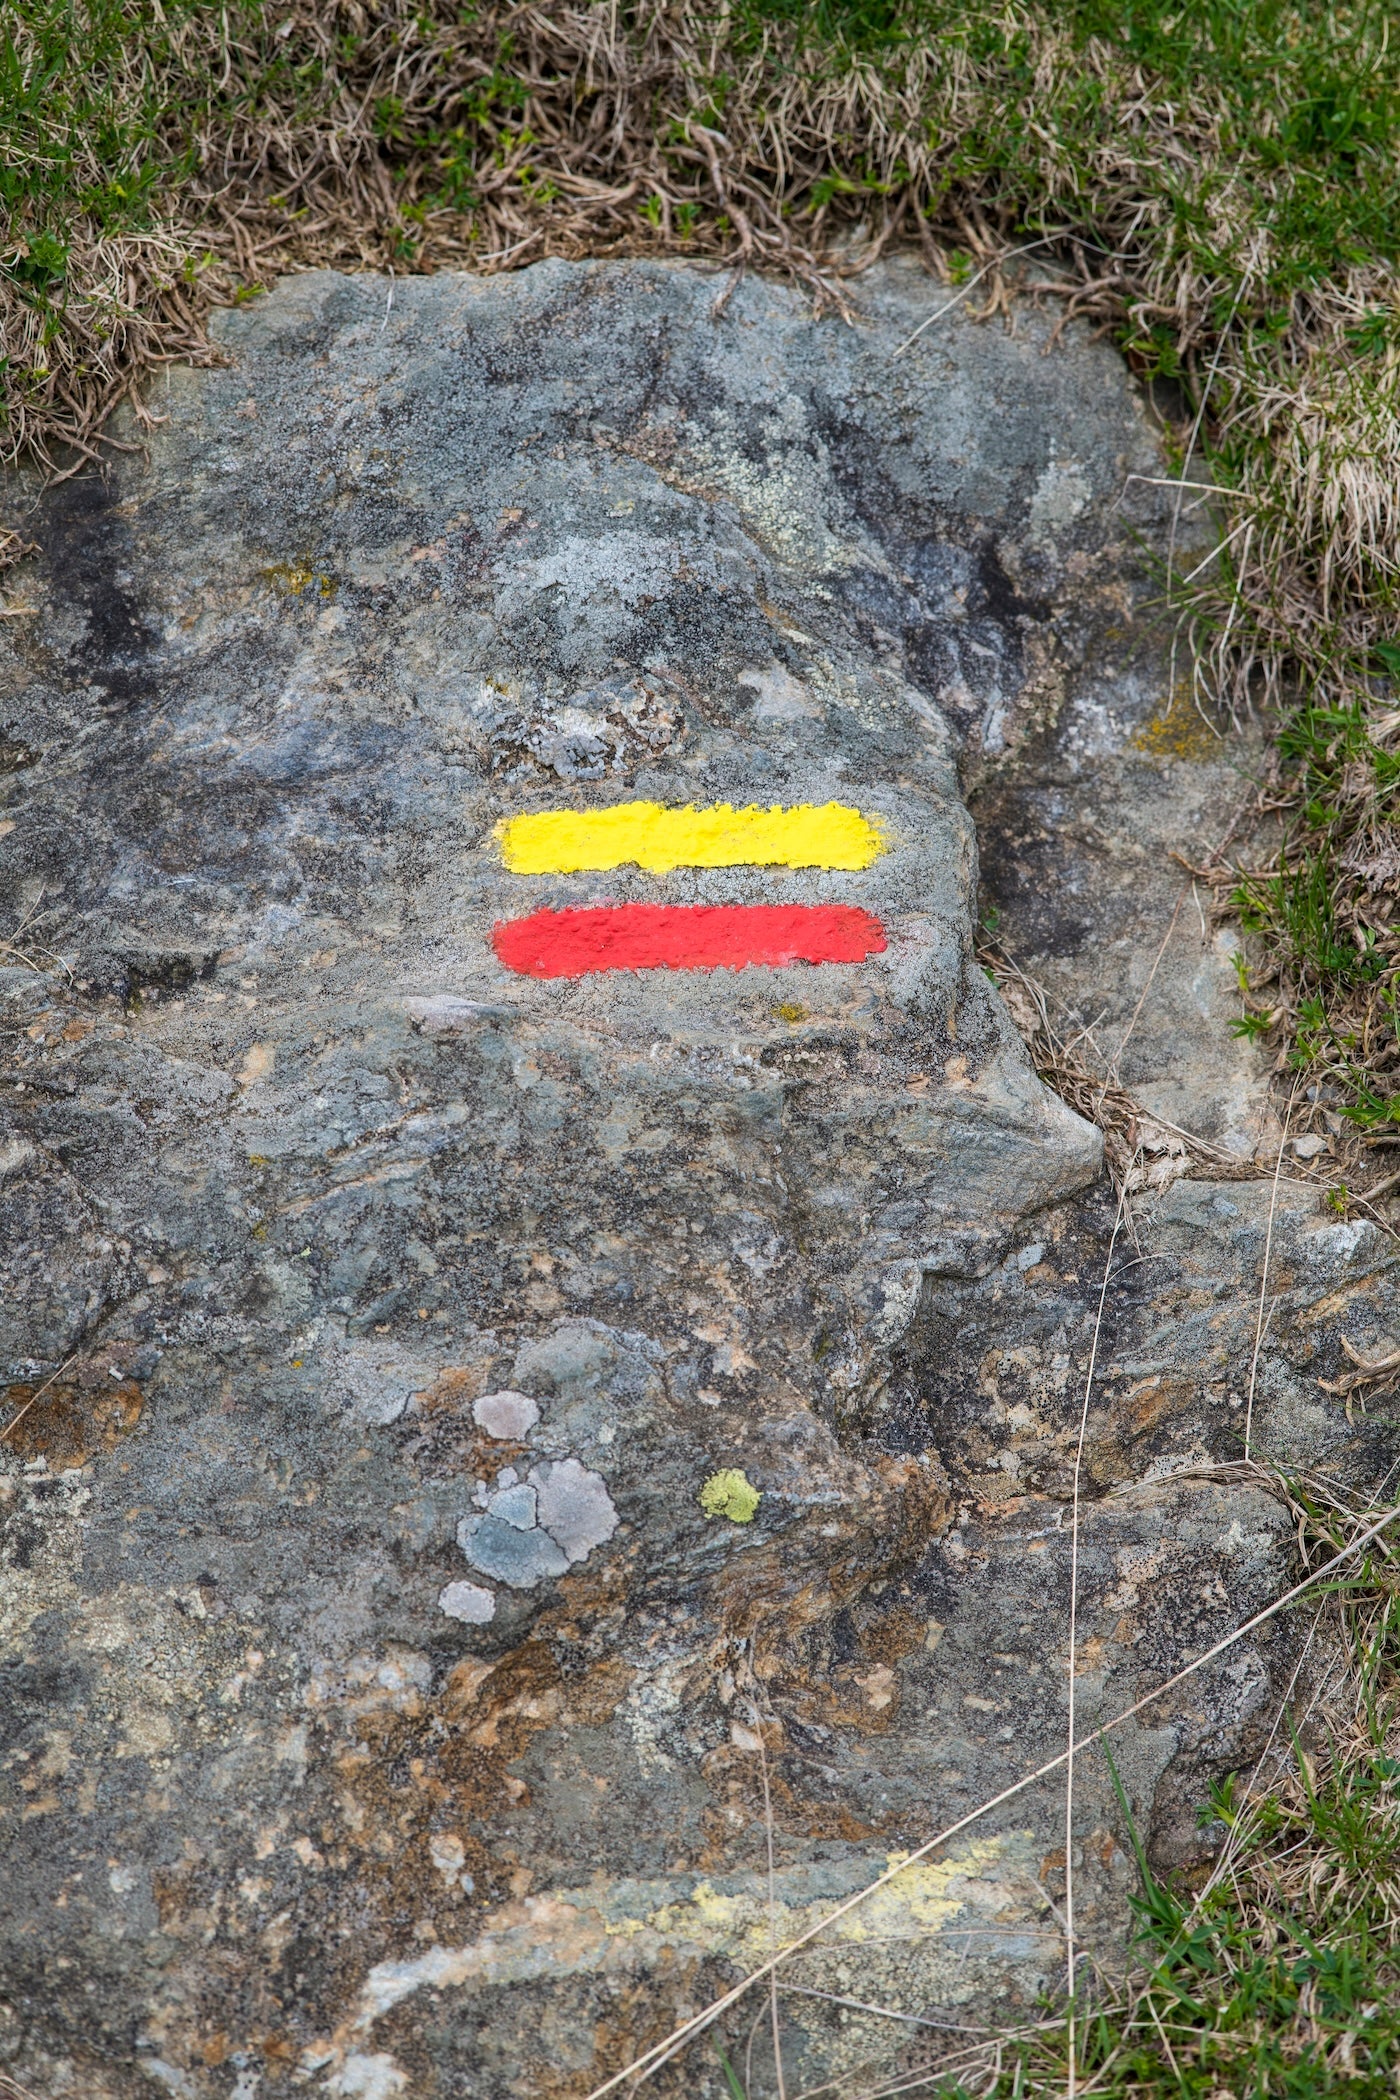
(466, 1434)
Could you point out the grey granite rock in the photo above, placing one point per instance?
(320, 1223)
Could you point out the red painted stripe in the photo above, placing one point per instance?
(685, 937)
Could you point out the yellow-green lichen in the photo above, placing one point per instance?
(1179, 730)
(289, 579)
(730, 1494)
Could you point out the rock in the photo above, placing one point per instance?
(354, 1218)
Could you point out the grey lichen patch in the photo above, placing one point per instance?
(575, 1506)
(513, 1555)
(505, 1414)
(534, 1528)
(469, 1602)
(520, 1558)
(515, 1504)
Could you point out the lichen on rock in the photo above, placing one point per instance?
(730, 1493)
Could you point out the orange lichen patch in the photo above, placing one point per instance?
(862, 1696)
(453, 1389)
(501, 1704)
(394, 1794)
(463, 1684)
(1132, 1415)
(1179, 730)
(805, 1682)
(1089, 1657)
(277, 2048)
(69, 1422)
(887, 1636)
(1143, 1406)
(589, 1589)
(422, 1783)
(735, 1776)
(1337, 1301)
(639, 2014)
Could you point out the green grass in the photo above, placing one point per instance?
(1330, 958)
(101, 105)
(86, 138)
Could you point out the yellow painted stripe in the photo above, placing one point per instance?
(565, 841)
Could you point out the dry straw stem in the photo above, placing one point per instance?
(651, 2060)
(1260, 1321)
(1142, 1150)
(1072, 1684)
(1372, 1376)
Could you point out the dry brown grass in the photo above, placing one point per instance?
(413, 136)
(1140, 1150)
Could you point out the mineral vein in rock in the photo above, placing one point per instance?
(566, 841)
(685, 937)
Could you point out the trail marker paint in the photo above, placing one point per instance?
(567, 841)
(685, 937)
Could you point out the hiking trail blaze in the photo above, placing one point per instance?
(579, 942)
